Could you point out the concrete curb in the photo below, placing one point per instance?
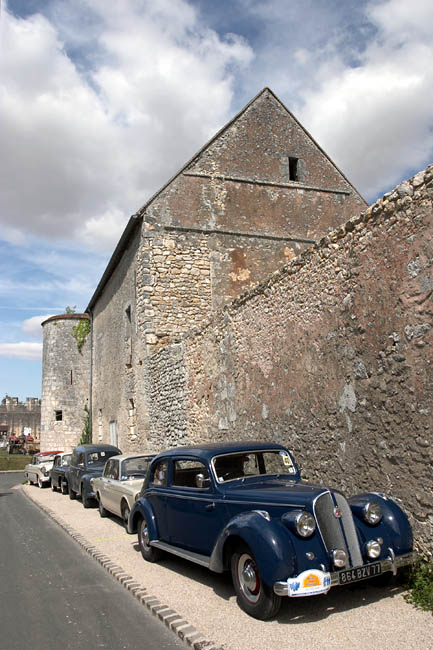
(176, 623)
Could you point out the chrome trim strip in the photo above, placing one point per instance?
(203, 560)
(389, 564)
(248, 504)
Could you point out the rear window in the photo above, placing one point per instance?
(100, 457)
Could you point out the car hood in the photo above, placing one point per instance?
(284, 492)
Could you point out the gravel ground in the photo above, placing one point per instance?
(361, 616)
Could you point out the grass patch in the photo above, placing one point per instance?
(12, 462)
(420, 586)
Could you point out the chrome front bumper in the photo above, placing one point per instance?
(391, 563)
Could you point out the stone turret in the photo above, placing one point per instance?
(65, 380)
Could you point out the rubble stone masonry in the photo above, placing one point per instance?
(331, 356)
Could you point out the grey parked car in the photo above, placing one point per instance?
(87, 462)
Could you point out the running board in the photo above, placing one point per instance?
(203, 560)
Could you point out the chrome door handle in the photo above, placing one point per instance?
(210, 506)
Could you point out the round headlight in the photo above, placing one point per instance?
(372, 512)
(339, 558)
(373, 549)
(305, 524)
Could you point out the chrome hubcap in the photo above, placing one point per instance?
(249, 579)
(144, 536)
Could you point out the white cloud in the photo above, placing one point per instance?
(23, 350)
(32, 326)
(375, 119)
(87, 141)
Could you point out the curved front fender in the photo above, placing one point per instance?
(394, 527)
(270, 542)
(142, 508)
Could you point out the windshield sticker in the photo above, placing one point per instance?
(287, 462)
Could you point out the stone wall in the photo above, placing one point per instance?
(118, 358)
(332, 356)
(65, 383)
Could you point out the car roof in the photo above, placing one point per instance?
(48, 453)
(144, 454)
(97, 446)
(208, 450)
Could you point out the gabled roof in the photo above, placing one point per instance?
(136, 219)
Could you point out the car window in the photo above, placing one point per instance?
(115, 470)
(135, 467)
(241, 465)
(107, 469)
(186, 473)
(159, 474)
(66, 460)
(57, 461)
(80, 459)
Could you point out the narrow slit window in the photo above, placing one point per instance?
(59, 416)
(293, 169)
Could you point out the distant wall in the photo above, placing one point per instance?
(15, 417)
(332, 356)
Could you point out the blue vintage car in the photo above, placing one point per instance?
(243, 507)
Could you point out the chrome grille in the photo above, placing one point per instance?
(331, 527)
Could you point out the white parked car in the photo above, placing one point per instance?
(38, 471)
(120, 484)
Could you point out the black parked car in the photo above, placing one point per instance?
(59, 473)
(87, 462)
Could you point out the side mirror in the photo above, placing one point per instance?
(201, 481)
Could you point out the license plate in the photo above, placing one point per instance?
(359, 573)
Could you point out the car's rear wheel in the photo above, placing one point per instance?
(253, 595)
(72, 493)
(125, 515)
(102, 511)
(150, 553)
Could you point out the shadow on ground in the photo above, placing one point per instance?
(293, 610)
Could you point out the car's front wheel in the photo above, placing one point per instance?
(72, 493)
(253, 595)
(150, 553)
(64, 487)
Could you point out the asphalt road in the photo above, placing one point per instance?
(54, 596)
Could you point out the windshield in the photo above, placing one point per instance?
(252, 463)
(135, 467)
(39, 460)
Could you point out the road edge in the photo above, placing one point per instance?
(174, 621)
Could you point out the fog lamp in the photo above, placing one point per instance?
(373, 549)
(339, 558)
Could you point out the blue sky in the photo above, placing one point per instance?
(100, 103)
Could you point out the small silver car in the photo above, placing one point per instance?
(38, 471)
(120, 484)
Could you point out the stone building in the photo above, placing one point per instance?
(66, 371)
(259, 193)
(18, 418)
